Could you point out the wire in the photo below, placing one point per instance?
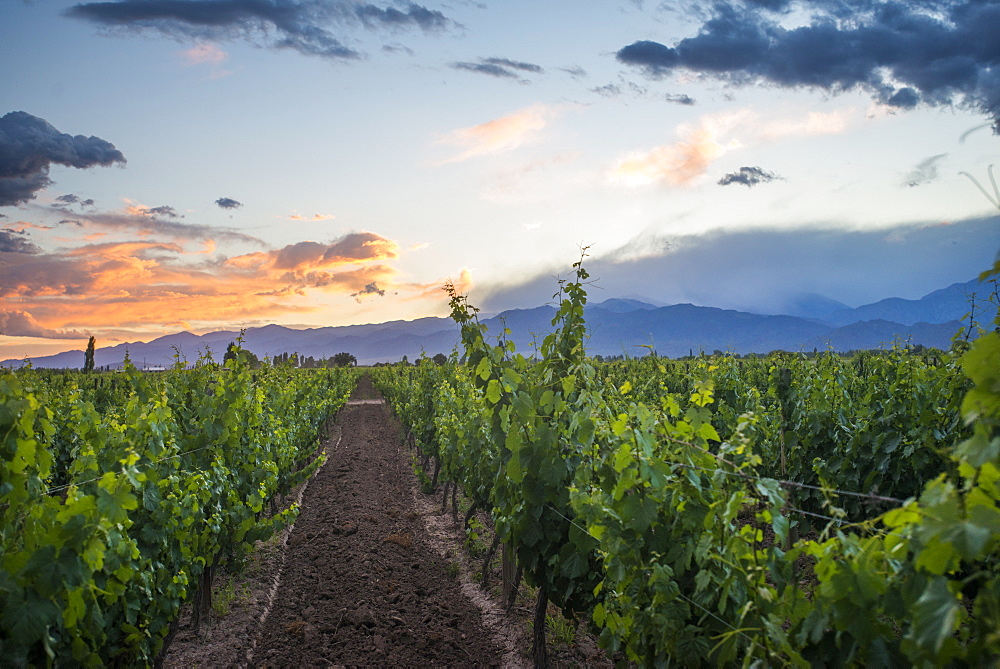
(57, 489)
(795, 484)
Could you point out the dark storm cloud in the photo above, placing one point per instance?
(939, 52)
(925, 171)
(228, 203)
(680, 99)
(29, 145)
(503, 68)
(17, 241)
(748, 176)
(301, 25)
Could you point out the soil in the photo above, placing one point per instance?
(371, 573)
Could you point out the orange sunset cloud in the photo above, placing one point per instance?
(134, 284)
(500, 135)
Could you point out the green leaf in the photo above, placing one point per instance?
(28, 617)
(493, 391)
(514, 471)
(934, 615)
(575, 566)
(483, 368)
(639, 512)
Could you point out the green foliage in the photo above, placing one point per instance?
(170, 477)
(667, 498)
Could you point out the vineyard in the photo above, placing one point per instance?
(788, 509)
(122, 494)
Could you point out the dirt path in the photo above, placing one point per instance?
(361, 584)
(358, 580)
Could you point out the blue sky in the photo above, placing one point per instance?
(199, 164)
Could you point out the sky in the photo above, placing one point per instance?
(171, 165)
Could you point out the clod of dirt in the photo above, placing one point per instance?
(345, 529)
(296, 627)
(361, 617)
(401, 540)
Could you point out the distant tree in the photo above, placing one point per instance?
(88, 357)
(440, 358)
(405, 361)
(344, 359)
(233, 352)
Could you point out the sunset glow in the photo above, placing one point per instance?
(210, 169)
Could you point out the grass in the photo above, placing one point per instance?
(226, 595)
(561, 630)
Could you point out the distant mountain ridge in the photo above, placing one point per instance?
(616, 326)
(940, 306)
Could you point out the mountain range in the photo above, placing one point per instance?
(617, 326)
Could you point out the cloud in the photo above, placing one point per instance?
(314, 218)
(369, 289)
(499, 67)
(397, 48)
(138, 219)
(228, 203)
(21, 226)
(304, 257)
(305, 26)
(763, 270)
(16, 241)
(29, 145)
(500, 135)
(904, 54)
(163, 210)
(680, 99)
(69, 198)
(711, 137)
(812, 123)
(415, 15)
(925, 172)
(679, 164)
(607, 90)
(139, 283)
(749, 177)
(204, 52)
(22, 324)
